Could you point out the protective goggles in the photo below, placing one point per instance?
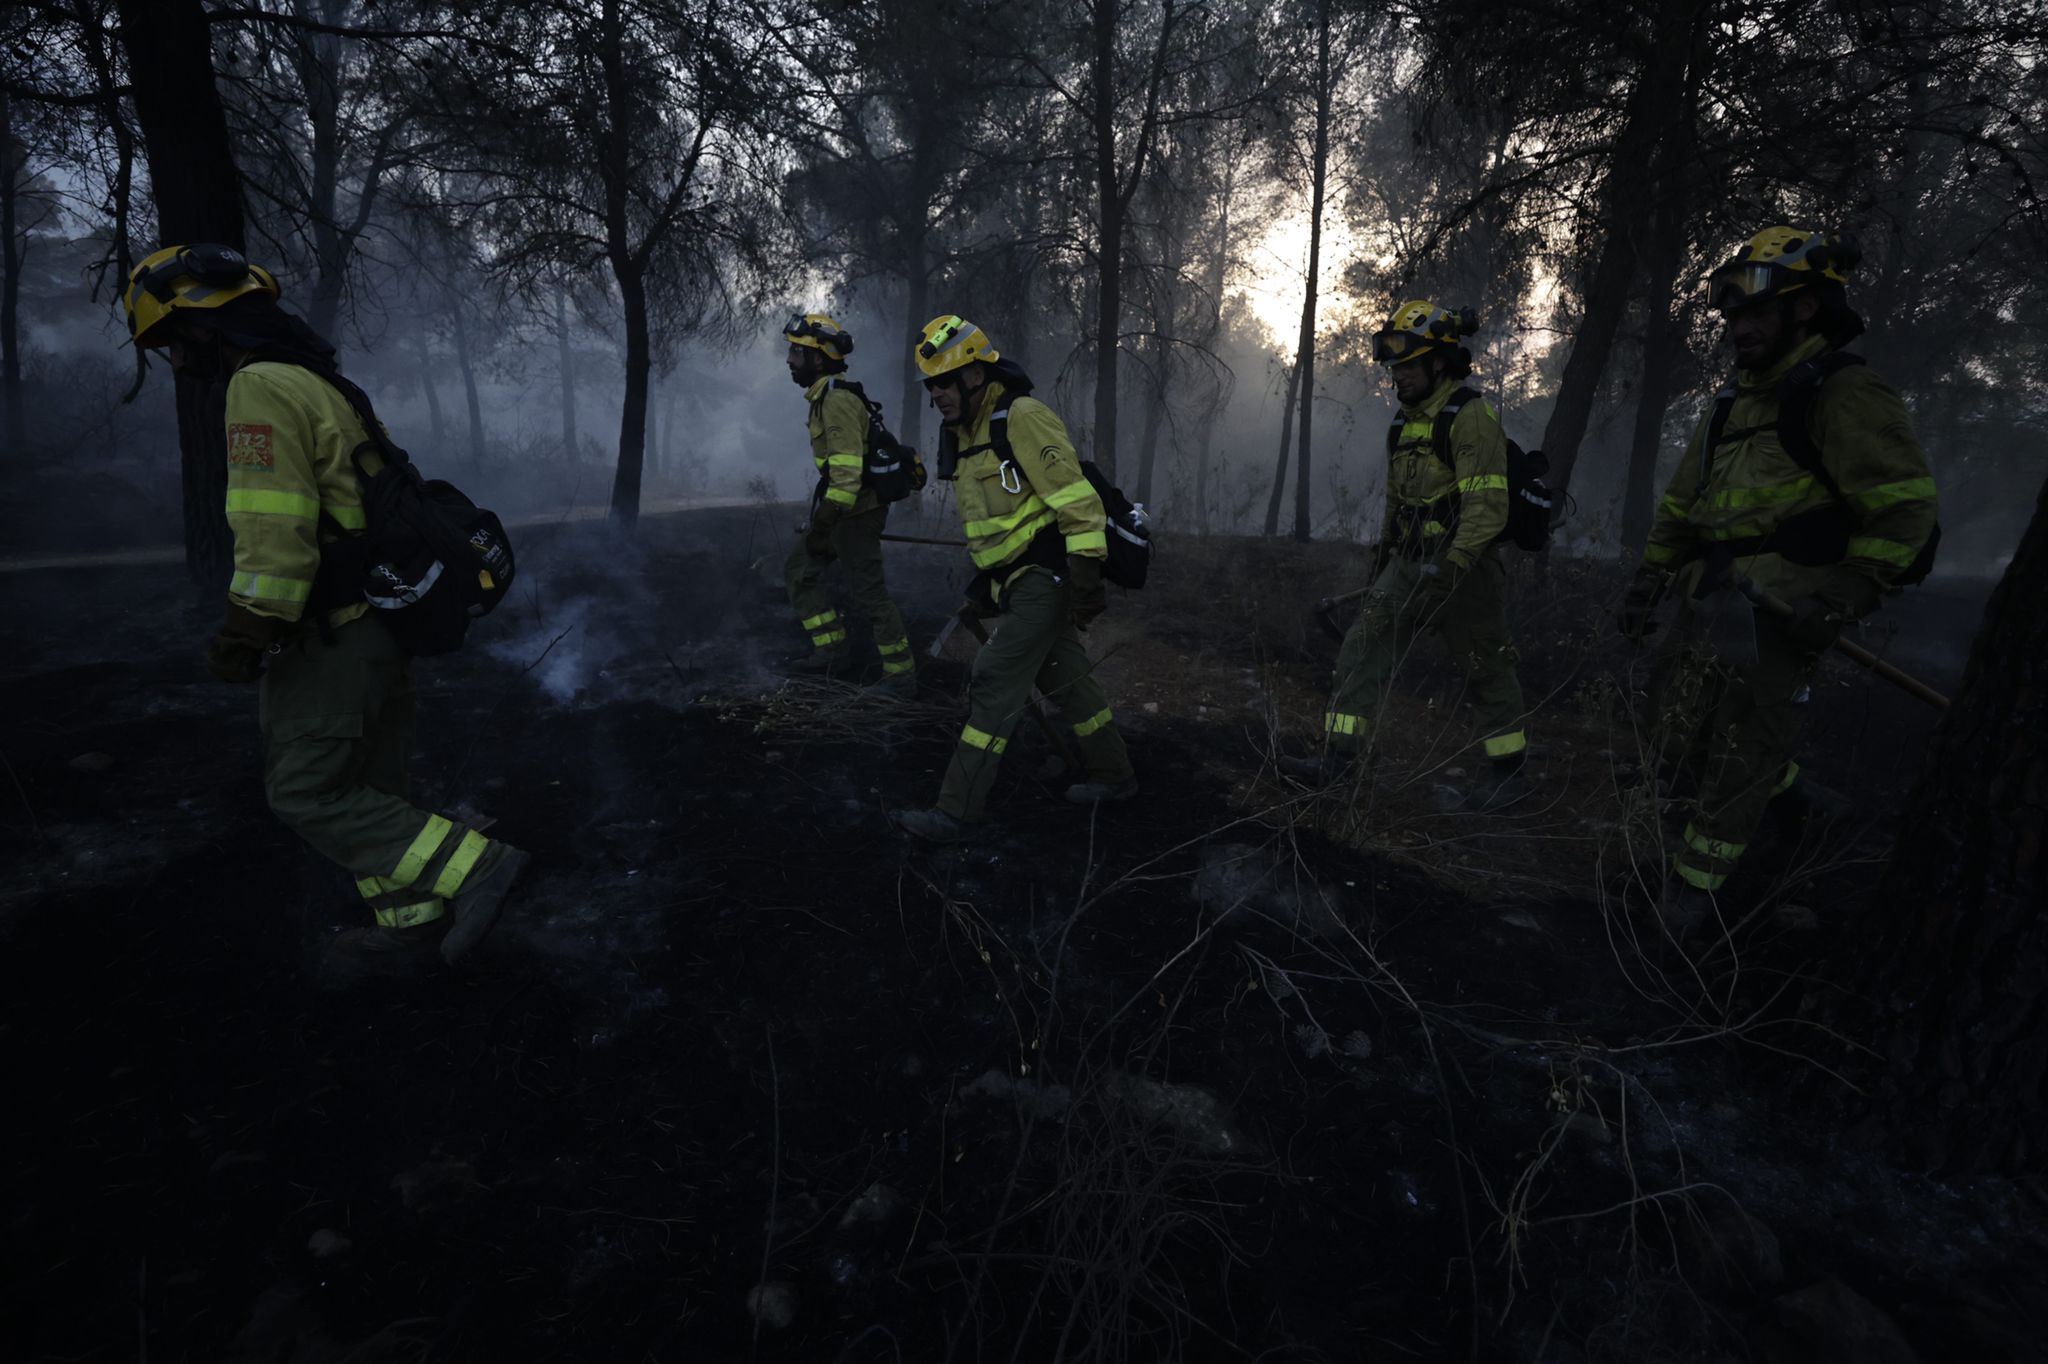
(219, 267)
(1737, 286)
(1392, 348)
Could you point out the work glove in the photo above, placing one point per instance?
(818, 539)
(1439, 579)
(1814, 623)
(1633, 620)
(237, 650)
(1087, 598)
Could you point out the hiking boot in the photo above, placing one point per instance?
(392, 953)
(476, 906)
(900, 685)
(1326, 768)
(819, 663)
(1489, 795)
(1683, 906)
(933, 826)
(1102, 792)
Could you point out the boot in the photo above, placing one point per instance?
(476, 907)
(819, 663)
(1496, 791)
(933, 826)
(1326, 768)
(1683, 906)
(901, 685)
(390, 953)
(1102, 792)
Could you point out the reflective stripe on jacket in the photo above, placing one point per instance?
(290, 438)
(1477, 472)
(839, 440)
(1754, 485)
(1044, 487)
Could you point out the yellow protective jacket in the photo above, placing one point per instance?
(290, 438)
(1003, 509)
(839, 441)
(1420, 481)
(1753, 486)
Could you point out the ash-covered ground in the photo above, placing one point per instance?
(1236, 1071)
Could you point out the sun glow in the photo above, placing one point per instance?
(1270, 278)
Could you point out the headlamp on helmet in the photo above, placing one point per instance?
(952, 342)
(182, 278)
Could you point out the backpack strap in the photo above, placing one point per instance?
(1446, 417)
(1798, 391)
(1717, 425)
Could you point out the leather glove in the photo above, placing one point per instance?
(1814, 623)
(237, 650)
(1087, 598)
(818, 539)
(1633, 620)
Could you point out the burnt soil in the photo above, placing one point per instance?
(1235, 1071)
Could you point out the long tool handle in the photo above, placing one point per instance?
(1899, 678)
(1052, 736)
(922, 540)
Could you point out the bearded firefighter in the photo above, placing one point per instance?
(1805, 482)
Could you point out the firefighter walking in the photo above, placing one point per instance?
(1440, 569)
(1035, 529)
(1805, 480)
(335, 694)
(847, 518)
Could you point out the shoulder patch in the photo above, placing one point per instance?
(249, 445)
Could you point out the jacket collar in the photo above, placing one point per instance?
(817, 390)
(1749, 380)
(1434, 403)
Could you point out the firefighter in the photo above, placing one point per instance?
(1827, 534)
(334, 693)
(1035, 530)
(1440, 569)
(847, 519)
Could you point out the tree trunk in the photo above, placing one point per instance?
(917, 284)
(467, 364)
(318, 60)
(432, 391)
(565, 368)
(1655, 104)
(1148, 440)
(1952, 958)
(1286, 439)
(1662, 346)
(198, 197)
(1109, 289)
(14, 433)
(1305, 364)
(633, 418)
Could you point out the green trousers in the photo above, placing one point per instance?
(1403, 604)
(857, 543)
(1732, 730)
(1033, 644)
(337, 722)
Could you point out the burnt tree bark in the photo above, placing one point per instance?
(1305, 365)
(1286, 439)
(198, 195)
(1952, 958)
(14, 434)
(1662, 344)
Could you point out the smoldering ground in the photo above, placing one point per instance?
(1222, 1072)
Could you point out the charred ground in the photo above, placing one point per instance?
(1236, 1071)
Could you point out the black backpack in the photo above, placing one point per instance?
(429, 561)
(894, 470)
(1126, 533)
(1530, 500)
(1821, 536)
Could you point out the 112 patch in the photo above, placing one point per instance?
(249, 445)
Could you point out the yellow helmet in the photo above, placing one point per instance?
(1777, 261)
(182, 277)
(1418, 327)
(951, 343)
(820, 333)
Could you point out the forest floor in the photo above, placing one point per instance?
(1237, 1071)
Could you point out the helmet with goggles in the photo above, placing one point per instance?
(1779, 260)
(952, 342)
(820, 333)
(1419, 327)
(186, 278)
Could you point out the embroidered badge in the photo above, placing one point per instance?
(249, 445)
